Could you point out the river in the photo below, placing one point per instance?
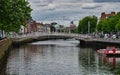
(58, 57)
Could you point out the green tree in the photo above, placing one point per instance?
(103, 26)
(111, 24)
(93, 23)
(99, 26)
(83, 24)
(79, 28)
(117, 27)
(13, 14)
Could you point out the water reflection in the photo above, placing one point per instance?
(111, 63)
(55, 57)
(87, 60)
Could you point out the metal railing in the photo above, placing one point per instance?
(36, 34)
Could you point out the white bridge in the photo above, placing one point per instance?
(40, 34)
(83, 38)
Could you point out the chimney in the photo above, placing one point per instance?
(103, 16)
(112, 13)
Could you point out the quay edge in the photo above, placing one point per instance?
(5, 46)
(98, 42)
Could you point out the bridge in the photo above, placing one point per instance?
(37, 36)
(83, 38)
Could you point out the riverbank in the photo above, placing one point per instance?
(5, 45)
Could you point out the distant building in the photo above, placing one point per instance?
(30, 27)
(105, 16)
(72, 27)
(46, 28)
(40, 27)
(34, 26)
(62, 28)
(67, 30)
(52, 27)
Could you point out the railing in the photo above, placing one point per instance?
(36, 34)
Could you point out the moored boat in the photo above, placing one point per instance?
(110, 52)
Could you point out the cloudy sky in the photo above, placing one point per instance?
(64, 11)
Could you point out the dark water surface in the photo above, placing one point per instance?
(58, 57)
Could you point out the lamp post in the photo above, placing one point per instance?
(88, 27)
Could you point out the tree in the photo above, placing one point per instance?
(93, 23)
(111, 24)
(103, 26)
(117, 27)
(79, 29)
(13, 14)
(99, 26)
(83, 24)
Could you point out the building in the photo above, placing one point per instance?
(46, 28)
(62, 28)
(72, 27)
(31, 26)
(40, 27)
(105, 16)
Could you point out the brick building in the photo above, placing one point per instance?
(104, 15)
(31, 26)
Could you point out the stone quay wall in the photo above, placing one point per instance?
(5, 45)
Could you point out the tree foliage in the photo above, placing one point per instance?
(103, 26)
(83, 24)
(111, 24)
(13, 14)
(117, 27)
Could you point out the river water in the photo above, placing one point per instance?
(58, 57)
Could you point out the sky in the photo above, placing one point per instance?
(65, 11)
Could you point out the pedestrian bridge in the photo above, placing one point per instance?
(37, 36)
(83, 38)
(49, 35)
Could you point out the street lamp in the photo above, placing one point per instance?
(88, 27)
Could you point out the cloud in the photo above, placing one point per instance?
(90, 5)
(68, 10)
(48, 7)
(106, 0)
(52, 6)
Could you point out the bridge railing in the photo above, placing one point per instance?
(37, 34)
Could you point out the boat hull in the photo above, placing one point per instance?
(109, 53)
(113, 55)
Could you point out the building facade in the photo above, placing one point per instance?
(40, 27)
